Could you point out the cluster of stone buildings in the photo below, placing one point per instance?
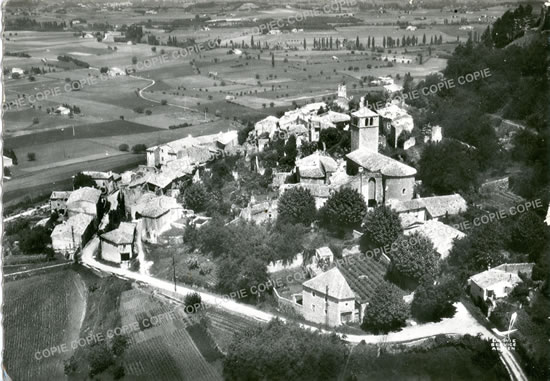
(149, 193)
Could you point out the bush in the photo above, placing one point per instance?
(139, 148)
(148, 112)
(138, 109)
(192, 302)
(31, 156)
(123, 147)
(196, 197)
(164, 102)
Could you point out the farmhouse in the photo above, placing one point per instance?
(62, 110)
(498, 282)
(116, 71)
(72, 235)
(156, 214)
(385, 179)
(83, 200)
(118, 245)
(58, 201)
(17, 71)
(341, 294)
(107, 182)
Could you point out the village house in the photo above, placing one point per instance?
(330, 119)
(341, 294)
(118, 245)
(107, 182)
(267, 126)
(342, 100)
(58, 201)
(156, 215)
(427, 208)
(497, 282)
(442, 236)
(394, 120)
(83, 200)
(72, 235)
(261, 212)
(315, 168)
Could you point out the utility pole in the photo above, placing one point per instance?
(174, 271)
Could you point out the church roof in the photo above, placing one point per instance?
(376, 162)
(364, 112)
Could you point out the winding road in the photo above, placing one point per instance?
(460, 324)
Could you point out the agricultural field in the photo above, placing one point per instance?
(35, 321)
(174, 348)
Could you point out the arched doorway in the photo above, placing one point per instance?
(371, 201)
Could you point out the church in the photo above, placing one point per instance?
(381, 178)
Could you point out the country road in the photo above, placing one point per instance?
(460, 324)
(140, 92)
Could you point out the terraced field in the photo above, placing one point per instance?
(224, 325)
(162, 348)
(35, 321)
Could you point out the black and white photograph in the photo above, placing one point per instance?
(253, 190)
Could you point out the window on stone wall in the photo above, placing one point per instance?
(404, 190)
(313, 307)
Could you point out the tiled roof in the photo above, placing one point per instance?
(491, 277)
(441, 235)
(122, 235)
(364, 275)
(337, 285)
(56, 195)
(316, 165)
(85, 194)
(157, 206)
(437, 206)
(376, 162)
(77, 224)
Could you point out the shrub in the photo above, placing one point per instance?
(123, 147)
(31, 156)
(164, 102)
(192, 302)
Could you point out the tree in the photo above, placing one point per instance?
(345, 208)
(35, 240)
(308, 148)
(196, 197)
(100, 358)
(413, 258)
(529, 234)
(386, 311)
(123, 147)
(432, 302)
(139, 148)
(448, 167)
(134, 60)
(35, 120)
(382, 227)
(163, 102)
(276, 351)
(272, 60)
(31, 156)
(81, 180)
(296, 205)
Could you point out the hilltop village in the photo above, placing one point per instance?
(363, 194)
